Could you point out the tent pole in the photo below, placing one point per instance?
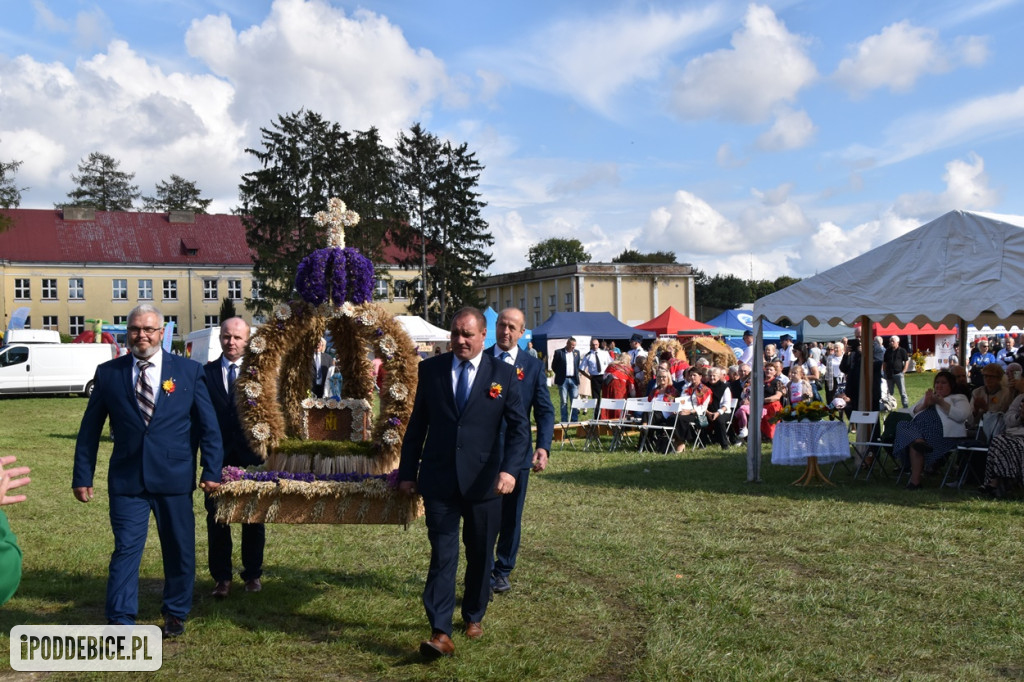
(867, 366)
(756, 403)
(961, 340)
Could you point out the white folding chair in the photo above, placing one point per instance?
(636, 412)
(859, 449)
(662, 407)
(570, 427)
(732, 415)
(960, 464)
(612, 424)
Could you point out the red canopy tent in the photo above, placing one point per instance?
(671, 322)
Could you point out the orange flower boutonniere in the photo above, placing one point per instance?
(520, 373)
(495, 391)
(168, 386)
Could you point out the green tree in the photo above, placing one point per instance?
(557, 251)
(439, 182)
(634, 256)
(10, 193)
(227, 309)
(304, 161)
(721, 291)
(176, 194)
(102, 186)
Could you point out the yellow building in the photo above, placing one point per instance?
(632, 292)
(75, 264)
(68, 266)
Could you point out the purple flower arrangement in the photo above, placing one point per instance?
(229, 474)
(335, 274)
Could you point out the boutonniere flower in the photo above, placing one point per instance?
(520, 373)
(495, 391)
(168, 386)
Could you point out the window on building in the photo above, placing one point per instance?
(259, 320)
(235, 289)
(568, 298)
(257, 295)
(551, 299)
(170, 290)
(49, 322)
(120, 319)
(380, 288)
(401, 288)
(536, 318)
(28, 322)
(76, 324)
(522, 303)
(174, 319)
(212, 321)
(49, 290)
(209, 290)
(536, 301)
(76, 289)
(145, 290)
(22, 289)
(120, 290)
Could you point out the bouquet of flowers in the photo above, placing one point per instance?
(813, 411)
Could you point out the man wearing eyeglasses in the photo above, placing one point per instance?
(159, 409)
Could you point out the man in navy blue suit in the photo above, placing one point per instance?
(220, 379)
(534, 389)
(457, 455)
(154, 400)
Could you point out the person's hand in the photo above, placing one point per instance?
(208, 486)
(12, 478)
(506, 483)
(407, 488)
(540, 460)
(83, 494)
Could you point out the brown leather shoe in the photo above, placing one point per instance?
(437, 646)
(253, 585)
(222, 590)
(474, 630)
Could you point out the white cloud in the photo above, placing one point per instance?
(831, 245)
(902, 53)
(47, 19)
(966, 189)
(592, 59)
(692, 224)
(358, 71)
(724, 157)
(791, 130)
(766, 66)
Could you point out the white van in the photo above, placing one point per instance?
(203, 345)
(31, 336)
(41, 368)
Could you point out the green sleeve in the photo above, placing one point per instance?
(10, 561)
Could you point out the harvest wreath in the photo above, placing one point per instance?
(276, 409)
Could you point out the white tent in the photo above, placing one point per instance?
(421, 331)
(961, 267)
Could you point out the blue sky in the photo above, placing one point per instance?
(759, 139)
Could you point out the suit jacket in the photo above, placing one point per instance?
(560, 367)
(447, 452)
(159, 457)
(236, 446)
(320, 377)
(533, 388)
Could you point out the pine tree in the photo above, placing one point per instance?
(176, 194)
(102, 186)
(227, 309)
(10, 193)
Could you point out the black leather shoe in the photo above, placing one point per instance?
(173, 627)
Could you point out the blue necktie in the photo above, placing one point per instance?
(232, 375)
(506, 357)
(462, 386)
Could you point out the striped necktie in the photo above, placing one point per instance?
(232, 375)
(144, 392)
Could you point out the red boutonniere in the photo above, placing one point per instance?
(520, 373)
(495, 391)
(168, 386)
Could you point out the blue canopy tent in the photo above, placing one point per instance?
(744, 320)
(561, 326)
(805, 331)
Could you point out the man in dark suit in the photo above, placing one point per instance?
(155, 401)
(457, 457)
(220, 378)
(534, 389)
(565, 363)
(321, 363)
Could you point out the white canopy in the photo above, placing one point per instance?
(959, 267)
(421, 331)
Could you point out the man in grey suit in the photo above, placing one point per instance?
(457, 455)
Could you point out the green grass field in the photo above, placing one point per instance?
(633, 567)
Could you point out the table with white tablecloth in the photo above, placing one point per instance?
(808, 444)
